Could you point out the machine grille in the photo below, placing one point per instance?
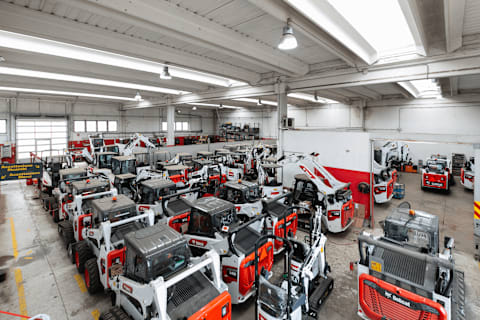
(389, 309)
(185, 290)
(178, 206)
(402, 266)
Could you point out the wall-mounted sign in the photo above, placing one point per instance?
(18, 171)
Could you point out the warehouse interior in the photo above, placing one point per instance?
(239, 159)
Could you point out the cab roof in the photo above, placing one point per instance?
(124, 158)
(153, 239)
(205, 153)
(270, 165)
(89, 184)
(158, 183)
(202, 161)
(212, 205)
(125, 176)
(177, 167)
(302, 176)
(106, 153)
(182, 154)
(242, 185)
(107, 204)
(68, 171)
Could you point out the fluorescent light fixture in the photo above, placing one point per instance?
(194, 108)
(88, 80)
(381, 22)
(288, 40)
(311, 98)
(2, 59)
(425, 88)
(66, 93)
(138, 97)
(61, 49)
(220, 106)
(255, 101)
(165, 75)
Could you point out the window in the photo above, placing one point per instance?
(112, 126)
(43, 137)
(164, 126)
(79, 126)
(91, 126)
(185, 126)
(178, 126)
(3, 126)
(102, 126)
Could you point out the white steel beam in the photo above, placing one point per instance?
(284, 12)
(22, 20)
(365, 92)
(454, 13)
(411, 12)
(177, 22)
(325, 16)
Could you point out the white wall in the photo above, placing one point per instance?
(343, 150)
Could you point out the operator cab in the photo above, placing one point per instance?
(161, 159)
(305, 190)
(142, 158)
(112, 148)
(155, 251)
(438, 166)
(153, 190)
(104, 159)
(69, 175)
(271, 178)
(204, 155)
(112, 209)
(88, 186)
(198, 164)
(124, 164)
(241, 192)
(124, 184)
(185, 158)
(415, 230)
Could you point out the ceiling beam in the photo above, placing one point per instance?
(284, 12)
(453, 85)
(22, 20)
(365, 92)
(454, 13)
(405, 93)
(411, 13)
(172, 20)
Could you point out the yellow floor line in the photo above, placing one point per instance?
(96, 314)
(22, 302)
(14, 238)
(80, 282)
(28, 258)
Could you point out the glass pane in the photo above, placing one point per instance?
(43, 123)
(185, 126)
(164, 126)
(57, 152)
(59, 129)
(59, 146)
(102, 126)
(43, 129)
(43, 154)
(29, 142)
(23, 155)
(25, 136)
(43, 147)
(43, 135)
(24, 123)
(43, 142)
(3, 126)
(59, 134)
(79, 126)
(112, 125)
(91, 126)
(25, 129)
(178, 126)
(59, 123)
(57, 141)
(26, 149)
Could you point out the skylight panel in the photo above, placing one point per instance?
(381, 22)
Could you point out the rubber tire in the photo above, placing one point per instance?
(55, 211)
(82, 254)
(91, 273)
(67, 233)
(324, 228)
(114, 314)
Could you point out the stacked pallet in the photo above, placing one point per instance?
(458, 160)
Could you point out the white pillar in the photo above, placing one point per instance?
(281, 116)
(170, 125)
(476, 202)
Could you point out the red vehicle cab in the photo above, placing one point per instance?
(437, 173)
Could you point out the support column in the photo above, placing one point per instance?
(170, 125)
(282, 108)
(476, 202)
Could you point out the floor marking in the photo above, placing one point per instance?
(96, 314)
(28, 258)
(80, 282)
(22, 303)
(14, 238)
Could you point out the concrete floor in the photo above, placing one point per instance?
(41, 279)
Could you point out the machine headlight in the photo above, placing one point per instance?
(225, 310)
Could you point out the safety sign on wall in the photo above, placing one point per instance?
(18, 171)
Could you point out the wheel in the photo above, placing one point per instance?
(67, 233)
(82, 254)
(92, 277)
(53, 208)
(114, 314)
